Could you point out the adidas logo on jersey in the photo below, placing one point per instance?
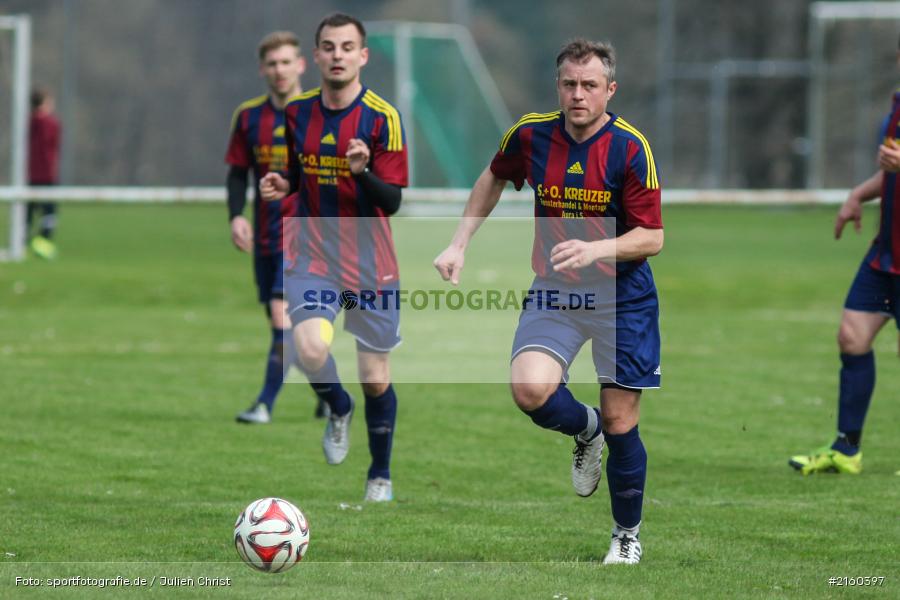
(658, 371)
(576, 169)
(328, 139)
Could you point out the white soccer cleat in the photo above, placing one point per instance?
(336, 441)
(379, 490)
(587, 465)
(624, 549)
(257, 414)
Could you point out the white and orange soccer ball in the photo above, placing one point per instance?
(271, 535)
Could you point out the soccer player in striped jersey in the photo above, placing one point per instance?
(584, 164)
(873, 299)
(347, 162)
(257, 143)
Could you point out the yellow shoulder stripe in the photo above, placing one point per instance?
(379, 104)
(526, 119)
(393, 121)
(251, 103)
(306, 95)
(652, 182)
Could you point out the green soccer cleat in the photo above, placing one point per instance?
(43, 247)
(827, 460)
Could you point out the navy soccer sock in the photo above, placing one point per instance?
(857, 385)
(327, 386)
(274, 370)
(562, 412)
(626, 472)
(381, 415)
(48, 221)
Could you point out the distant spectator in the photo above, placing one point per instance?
(43, 169)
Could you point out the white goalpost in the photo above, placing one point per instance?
(840, 79)
(20, 26)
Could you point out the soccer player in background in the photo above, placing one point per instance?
(347, 163)
(257, 142)
(583, 152)
(44, 132)
(874, 298)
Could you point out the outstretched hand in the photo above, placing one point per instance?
(242, 234)
(850, 211)
(449, 264)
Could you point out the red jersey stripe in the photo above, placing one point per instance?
(551, 228)
(266, 123)
(310, 191)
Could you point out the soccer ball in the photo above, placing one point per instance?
(348, 300)
(271, 535)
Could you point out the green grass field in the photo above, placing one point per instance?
(123, 364)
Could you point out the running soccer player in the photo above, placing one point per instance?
(606, 168)
(874, 298)
(347, 163)
(257, 142)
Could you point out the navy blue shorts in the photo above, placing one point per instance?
(624, 338)
(875, 291)
(269, 276)
(374, 322)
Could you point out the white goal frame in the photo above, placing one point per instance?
(20, 25)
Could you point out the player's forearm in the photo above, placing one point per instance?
(484, 197)
(292, 173)
(868, 189)
(237, 191)
(636, 244)
(384, 195)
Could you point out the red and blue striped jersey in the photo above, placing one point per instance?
(348, 239)
(580, 187)
(257, 142)
(885, 252)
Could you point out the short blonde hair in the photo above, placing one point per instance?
(277, 39)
